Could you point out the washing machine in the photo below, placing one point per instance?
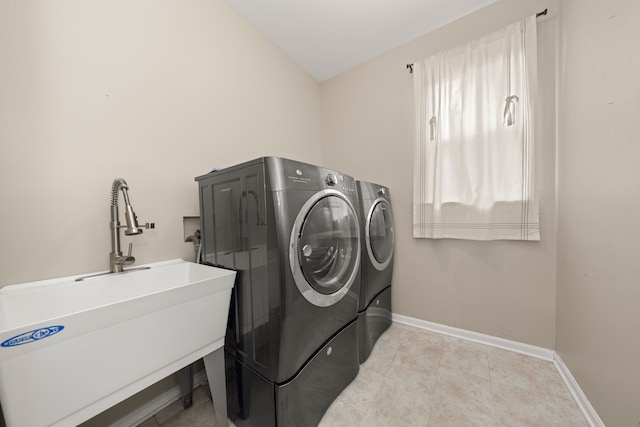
(376, 222)
(292, 233)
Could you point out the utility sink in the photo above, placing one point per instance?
(71, 349)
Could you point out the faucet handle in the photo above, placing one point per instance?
(148, 225)
(126, 260)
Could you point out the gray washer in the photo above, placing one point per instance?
(292, 233)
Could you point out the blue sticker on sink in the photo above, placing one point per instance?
(32, 336)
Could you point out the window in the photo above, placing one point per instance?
(474, 174)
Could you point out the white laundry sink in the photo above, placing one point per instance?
(71, 349)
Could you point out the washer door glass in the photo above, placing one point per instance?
(328, 245)
(325, 248)
(379, 235)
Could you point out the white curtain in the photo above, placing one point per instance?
(474, 172)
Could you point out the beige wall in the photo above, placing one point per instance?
(599, 204)
(156, 92)
(505, 289)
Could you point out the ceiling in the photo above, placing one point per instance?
(328, 37)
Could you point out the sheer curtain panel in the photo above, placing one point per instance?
(474, 172)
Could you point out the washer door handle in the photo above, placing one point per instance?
(307, 250)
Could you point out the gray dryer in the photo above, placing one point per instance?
(378, 239)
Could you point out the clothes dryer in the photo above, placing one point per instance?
(376, 221)
(291, 231)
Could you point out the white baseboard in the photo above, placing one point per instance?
(158, 404)
(581, 400)
(505, 344)
(530, 350)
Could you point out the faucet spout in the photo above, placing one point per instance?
(116, 259)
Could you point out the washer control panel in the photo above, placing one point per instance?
(301, 176)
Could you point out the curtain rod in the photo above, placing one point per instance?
(544, 12)
(538, 15)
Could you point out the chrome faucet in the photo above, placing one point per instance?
(116, 259)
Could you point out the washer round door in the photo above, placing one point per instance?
(379, 235)
(324, 250)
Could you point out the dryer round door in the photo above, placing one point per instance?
(324, 250)
(379, 235)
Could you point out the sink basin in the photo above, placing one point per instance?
(71, 349)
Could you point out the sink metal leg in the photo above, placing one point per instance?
(214, 366)
(185, 378)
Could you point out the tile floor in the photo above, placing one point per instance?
(419, 378)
